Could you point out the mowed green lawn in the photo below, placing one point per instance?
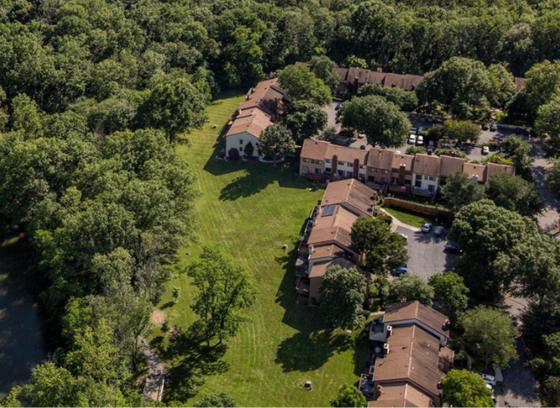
(251, 210)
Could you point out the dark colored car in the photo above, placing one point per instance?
(485, 126)
(451, 248)
(493, 127)
(399, 271)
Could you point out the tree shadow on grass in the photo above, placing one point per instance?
(258, 176)
(188, 360)
(308, 351)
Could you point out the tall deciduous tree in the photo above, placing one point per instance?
(276, 142)
(489, 336)
(487, 234)
(303, 84)
(383, 249)
(515, 194)
(503, 86)
(462, 388)
(381, 121)
(450, 292)
(323, 67)
(305, 119)
(408, 287)
(175, 106)
(224, 290)
(349, 396)
(342, 295)
(216, 399)
(459, 190)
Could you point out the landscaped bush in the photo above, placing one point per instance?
(387, 218)
(493, 146)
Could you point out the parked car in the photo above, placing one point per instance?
(485, 150)
(399, 271)
(420, 141)
(438, 231)
(489, 379)
(339, 106)
(426, 227)
(403, 235)
(412, 139)
(485, 126)
(413, 130)
(363, 147)
(490, 387)
(493, 127)
(431, 144)
(451, 248)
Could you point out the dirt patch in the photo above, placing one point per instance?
(158, 317)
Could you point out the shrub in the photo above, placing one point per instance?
(387, 218)
(416, 150)
(233, 154)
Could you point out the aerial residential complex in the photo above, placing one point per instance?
(327, 236)
(264, 105)
(388, 170)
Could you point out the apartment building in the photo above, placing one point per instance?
(388, 170)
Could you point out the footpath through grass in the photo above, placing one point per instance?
(251, 209)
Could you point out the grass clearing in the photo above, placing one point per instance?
(415, 220)
(251, 209)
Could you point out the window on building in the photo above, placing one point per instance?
(431, 188)
(349, 174)
(328, 170)
(361, 166)
(407, 182)
(371, 179)
(341, 163)
(418, 183)
(395, 180)
(305, 169)
(317, 171)
(418, 178)
(328, 161)
(319, 161)
(240, 141)
(340, 173)
(305, 160)
(432, 178)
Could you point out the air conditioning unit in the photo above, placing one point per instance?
(389, 330)
(386, 348)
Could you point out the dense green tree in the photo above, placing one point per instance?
(462, 85)
(542, 85)
(305, 119)
(216, 400)
(519, 150)
(550, 392)
(462, 388)
(547, 125)
(409, 287)
(489, 336)
(301, 83)
(175, 106)
(381, 121)
(342, 295)
(383, 249)
(515, 194)
(548, 363)
(224, 291)
(487, 234)
(502, 85)
(553, 177)
(450, 292)
(459, 190)
(405, 100)
(276, 142)
(349, 396)
(26, 117)
(324, 68)
(462, 130)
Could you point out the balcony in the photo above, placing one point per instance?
(422, 192)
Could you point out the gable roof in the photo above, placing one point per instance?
(413, 357)
(346, 154)
(252, 121)
(475, 170)
(380, 158)
(401, 395)
(450, 165)
(493, 168)
(314, 149)
(350, 193)
(318, 269)
(427, 165)
(400, 159)
(414, 310)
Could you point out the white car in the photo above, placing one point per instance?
(420, 141)
(403, 235)
(485, 150)
(412, 139)
(426, 227)
(489, 379)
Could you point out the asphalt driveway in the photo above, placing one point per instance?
(426, 253)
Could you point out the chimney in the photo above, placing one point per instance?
(334, 164)
(356, 167)
(379, 69)
(430, 152)
(402, 174)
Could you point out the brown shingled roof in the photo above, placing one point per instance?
(400, 159)
(413, 357)
(346, 154)
(314, 149)
(319, 269)
(252, 121)
(450, 165)
(493, 168)
(352, 194)
(401, 395)
(380, 158)
(478, 170)
(427, 165)
(415, 310)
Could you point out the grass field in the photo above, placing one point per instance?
(251, 209)
(406, 217)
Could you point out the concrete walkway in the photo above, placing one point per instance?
(155, 381)
(396, 223)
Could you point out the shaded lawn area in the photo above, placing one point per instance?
(251, 209)
(413, 219)
(21, 337)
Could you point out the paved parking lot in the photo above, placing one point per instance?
(426, 253)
